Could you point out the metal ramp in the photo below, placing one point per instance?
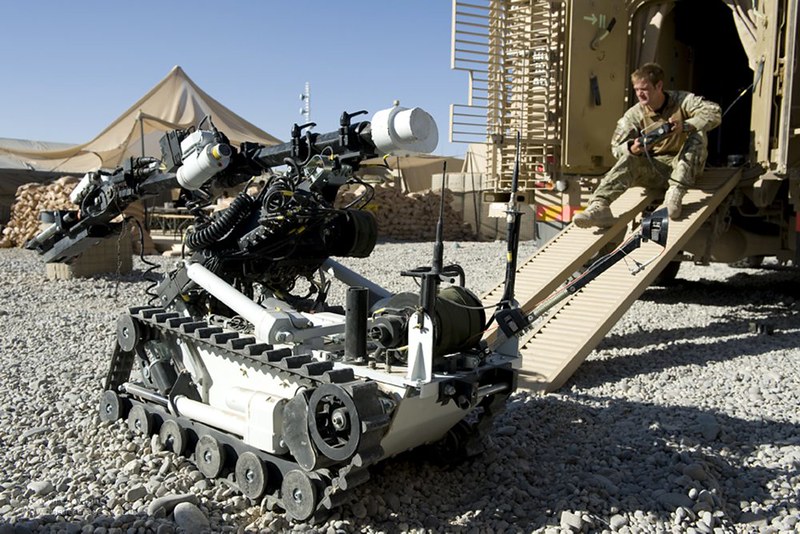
(559, 258)
(554, 348)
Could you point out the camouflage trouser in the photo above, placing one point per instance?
(654, 172)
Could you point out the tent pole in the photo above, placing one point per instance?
(141, 131)
(144, 202)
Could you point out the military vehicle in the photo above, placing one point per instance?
(558, 71)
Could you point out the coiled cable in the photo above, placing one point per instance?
(220, 225)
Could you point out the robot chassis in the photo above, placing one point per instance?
(239, 373)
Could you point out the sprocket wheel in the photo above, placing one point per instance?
(334, 422)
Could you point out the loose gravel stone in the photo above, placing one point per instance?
(617, 522)
(680, 420)
(359, 510)
(695, 472)
(571, 521)
(135, 493)
(168, 502)
(190, 518)
(41, 487)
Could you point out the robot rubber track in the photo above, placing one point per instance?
(301, 492)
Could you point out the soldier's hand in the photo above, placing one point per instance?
(677, 125)
(636, 147)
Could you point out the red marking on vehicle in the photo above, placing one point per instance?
(556, 213)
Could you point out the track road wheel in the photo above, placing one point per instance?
(111, 406)
(209, 456)
(251, 475)
(300, 495)
(173, 436)
(128, 332)
(139, 421)
(453, 447)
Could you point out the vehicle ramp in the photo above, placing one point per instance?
(567, 252)
(558, 344)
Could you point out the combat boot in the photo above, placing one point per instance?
(672, 200)
(596, 214)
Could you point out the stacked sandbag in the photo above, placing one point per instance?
(411, 216)
(30, 200)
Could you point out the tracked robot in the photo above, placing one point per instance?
(239, 363)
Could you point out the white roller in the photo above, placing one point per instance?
(268, 324)
(232, 422)
(401, 131)
(202, 157)
(218, 287)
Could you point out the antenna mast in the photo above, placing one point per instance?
(305, 96)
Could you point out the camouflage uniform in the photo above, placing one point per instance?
(676, 160)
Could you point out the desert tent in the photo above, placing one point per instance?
(175, 102)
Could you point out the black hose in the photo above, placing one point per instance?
(148, 275)
(222, 224)
(294, 165)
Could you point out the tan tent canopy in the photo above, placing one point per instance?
(175, 102)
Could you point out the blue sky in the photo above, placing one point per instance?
(70, 68)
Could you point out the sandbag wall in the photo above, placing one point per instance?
(30, 200)
(410, 216)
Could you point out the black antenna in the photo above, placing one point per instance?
(512, 235)
(432, 276)
(438, 247)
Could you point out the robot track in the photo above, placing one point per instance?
(330, 452)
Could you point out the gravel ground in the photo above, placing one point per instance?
(682, 420)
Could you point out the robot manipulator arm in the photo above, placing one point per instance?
(99, 197)
(200, 160)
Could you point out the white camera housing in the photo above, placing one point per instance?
(401, 131)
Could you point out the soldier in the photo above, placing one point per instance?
(671, 163)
